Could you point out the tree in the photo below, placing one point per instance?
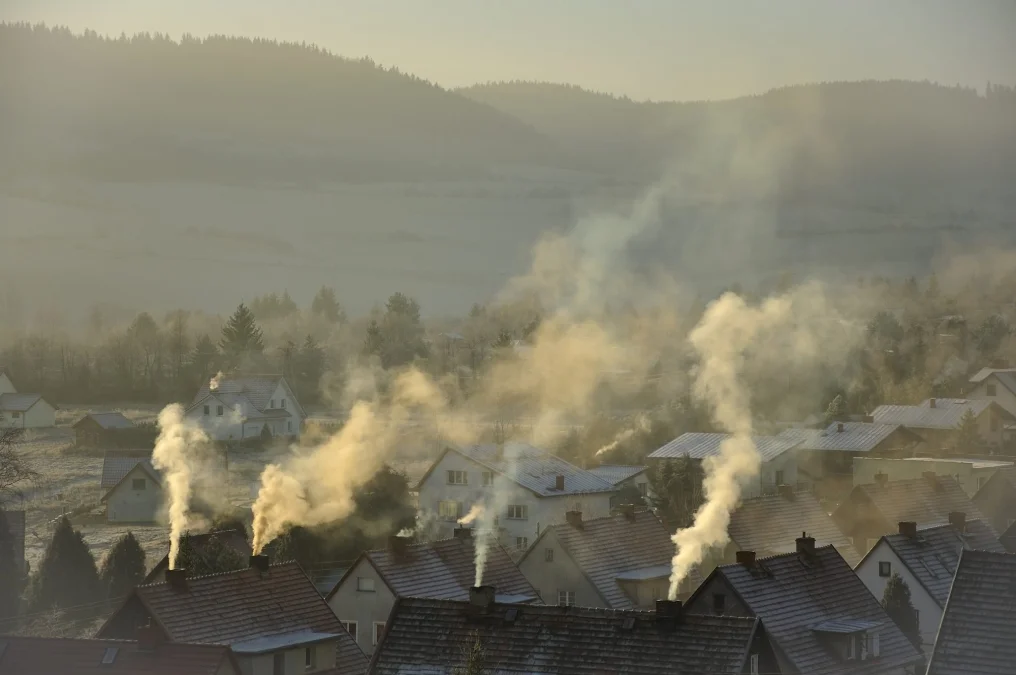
(836, 410)
(227, 524)
(177, 344)
(326, 306)
(15, 470)
(474, 658)
(212, 557)
(897, 604)
(990, 333)
(204, 360)
(241, 334)
(67, 578)
(11, 573)
(374, 342)
(677, 490)
(401, 332)
(968, 436)
(123, 568)
(310, 366)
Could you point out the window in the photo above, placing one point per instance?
(885, 569)
(754, 664)
(566, 598)
(851, 652)
(719, 603)
(779, 477)
(271, 404)
(365, 584)
(279, 664)
(218, 410)
(643, 488)
(487, 478)
(448, 510)
(309, 658)
(548, 555)
(521, 543)
(15, 414)
(283, 402)
(994, 423)
(208, 410)
(289, 425)
(138, 484)
(350, 627)
(456, 477)
(517, 512)
(991, 390)
(379, 629)
(873, 645)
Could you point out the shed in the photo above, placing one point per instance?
(101, 429)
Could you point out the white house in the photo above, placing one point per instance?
(528, 489)
(972, 474)
(23, 411)
(133, 488)
(247, 408)
(995, 384)
(937, 420)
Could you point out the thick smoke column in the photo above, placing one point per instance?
(213, 384)
(475, 512)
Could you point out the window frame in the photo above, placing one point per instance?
(310, 658)
(486, 479)
(219, 411)
(548, 555)
(524, 541)
(569, 598)
(271, 403)
(451, 518)
(346, 624)
(753, 664)
(283, 402)
(378, 634)
(778, 477)
(719, 603)
(279, 663)
(523, 509)
(360, 586)
(452, 474)
(885, 569)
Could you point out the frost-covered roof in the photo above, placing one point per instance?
(699, 445)
(946, 414)
(118, 463)
(842, 436)
(616, 473)
(108, 420)
(18, 402)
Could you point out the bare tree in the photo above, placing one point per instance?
(15, 471)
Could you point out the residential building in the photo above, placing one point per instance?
(926, 560)
(779, 466)
(770, 525)
(532, 489)
(132, 487)
(232, 539)
(619, 562)
(74, 656)
(972, 474)
(270, 616)
(997, 498)
(977, 635)
(937, 420)
(625, 478)
(250, 408)
(818, 615)
(446, 569)
(106, 430)
(23, 411)
(873, 510)
(436, 636)
(830, 452)
(15, 525)
(995, 384)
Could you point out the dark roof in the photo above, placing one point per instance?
(698, 445)
(446, 569)
(108, 420)
(977, 635)
(796, 595)
(933, 555)
(616, 473)
(771, 524)
(926, 501)
(604, 548)
(855, 436)
(430, 636)
(241, 605)
(18, 402)
(66, 656)
(1008, 538)
(118, 463)
(233, 539)
(16, 527)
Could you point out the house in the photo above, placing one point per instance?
(23, 411)
(75, 656)
(108, 429)
(937, 420)
(247, 409)
(444, 569)
(978, 630)
(995, 384)
(625, 478)
(270, 616)
(972, 474)
(997, 498)
(770, 525)
(133, 487)
(779, 467)
(873, 510)
(532, 488)
(15, 526)
(431, 636)
(233, 539)
(830, 452)
(820, 618)
(926, 560)
(621, 561)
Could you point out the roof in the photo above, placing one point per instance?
(933, 555)
(926, 501)
(946, 414)
(977, 635)
(18, 402)
(616, 473)
(272, 643)
(1008, 538)
(799, 596)
(108, 420)
(532, 468)
(118, 463)
(605, 549)
(974, 463)
(984, 373)
(67, 656)
(257, 389)
(233, 539)
(701, 445)
(426, 636)
(772, 524)
(855, 436)
(242, 605)
(446, 569)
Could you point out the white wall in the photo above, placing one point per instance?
(6, 386)
(561, 574)
(264, 664)
(970, 478)
(40, 415)
(127, 505)
(278, 396)
(219, 428)
(929, 613)
(1003, 396)
(364, 607)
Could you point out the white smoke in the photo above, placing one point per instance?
(475, 512)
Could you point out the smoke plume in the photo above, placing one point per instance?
(213, 384)
(475, 512)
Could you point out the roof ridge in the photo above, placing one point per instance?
(287, 563)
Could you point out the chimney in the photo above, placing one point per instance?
(259, 563)
(932, 479)
(482, 597)
(463, 533)
(148, 638)
(839, 427)
(932, 403)
(786, 491)
(805, 544)
(177, 579)
(398, 547)
(958, 519)
(908, 528)
(668, 610)
(869, 419)
(881, 479)
(627, 510)
(559, 483)
(746, 558)
(574, 519)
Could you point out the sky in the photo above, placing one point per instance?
(645, 49)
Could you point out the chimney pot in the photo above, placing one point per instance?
(482, 597)
(746, 558)
(574, 519)
(958, 519)
(177, 578)
(148, 638)
(259, 563)
(932, 403)
(559, 482)
(668, 609)
(908, 528)
(839, 427)
(805, 544)
(398, 546)
(627, 510)
(463, 533)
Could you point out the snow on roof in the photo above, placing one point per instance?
(701, 445)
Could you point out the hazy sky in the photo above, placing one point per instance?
(661, 49)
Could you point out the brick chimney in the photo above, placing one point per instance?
(574, 518)
(908, 528)
(932, 403)
(746, 558)
(805, 544)
(177, 579)
(398, 547)
(559, 482)
(259, 563)
(869, 419)
(958, 519)
(932, 480)
(463, 533)
(149, 638)
(482, 597)
(668, 610)
(881, 479)
(627, 510)
(839, 427)
(786, 491)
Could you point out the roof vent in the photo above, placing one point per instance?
(177, 579)
(628, 624)
(511, 614)
(839, 427)
(463, 533)
(746, 558)
(627, 510)
(668, 609)
(958, 519)
(908, 528)
(805, 544)
(932, 403)
(482, 597)
(574, 519)
(259, 563)
(559, 482)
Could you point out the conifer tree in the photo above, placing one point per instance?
(241, 334)
(67, 577)
(123, 568)
(897, 604)
(11, 573)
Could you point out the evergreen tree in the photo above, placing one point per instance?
(374, 342)
(402, 331)
(67, 578)
(327, 306)
(310, 368)
(212, 557)
(968, 436)
(677, 490)
(241, 334)
(204, 360)
(836, 410)
(123, 568)
(11, 573)
(228, 523)
(897, 604)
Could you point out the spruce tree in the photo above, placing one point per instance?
(968, 437)
(212, 557)
(327, 306)
(241, 334)
(897, 604)
(11, 573)
(67, 577)
(123, 568)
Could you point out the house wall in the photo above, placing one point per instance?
(929, 613)
(264, 664)
(227, 427)
(562, 574)
(127, 505)
(997, 501)
(282, 394)
(1003, 396)
(6, 386)
(363, 607)
(970, 478)
(40, 415)
(226, 668)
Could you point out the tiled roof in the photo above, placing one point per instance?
(605, 548)
(108, 420)
(1008, 538)
(616, 473)
(933, 555)
(795, 594)
(984, 373)
(244, 604)
(233, 539)
(67, 656)
(16, 527)
(18, 402)
(430, 637)
(771, 524)
(925, 501)
(701, 445)
(445, 569)
(256, 389)
(535, 469)
(118, 463)
(946, 414)
(855, 437)
(977, 635)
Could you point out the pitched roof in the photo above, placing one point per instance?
(241, 605)
(1008, 538)
(797, 595)
(18, 402)
(926, 501)
(946, 414)
(854, 437)
(118, 463)
(607, 548)
(233, 539)
(68, 656)
(430, 636)
(701, 445)
(257, 389)
(984, 373)
(977, 635)
(616, 473)
(16, 527)
(932, 556)
(108, 420)
(446, 569)
(772, 524)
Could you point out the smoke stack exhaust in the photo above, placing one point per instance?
(463, 533)
(259, 563)
(574, 519)
(746, 558)
(958, 519)
(805, 544)
(482, 597)
(559, 483)
(839, 427)
(628, 511)
(786, 491)
(149, 638)
(908, 528)
(668, 610)
(881, 479)
(398, 547)
(932, 403)
(177, 579)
